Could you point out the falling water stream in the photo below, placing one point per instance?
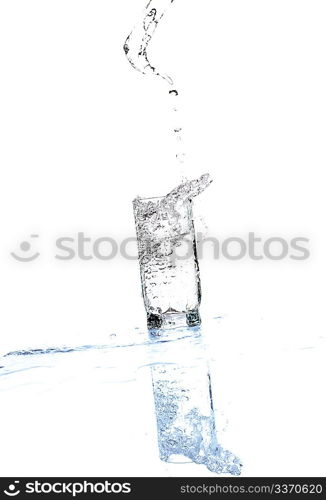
(136, 50)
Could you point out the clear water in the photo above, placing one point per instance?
(167, 250)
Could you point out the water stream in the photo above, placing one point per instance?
(136, 49)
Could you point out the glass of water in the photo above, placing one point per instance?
(168, 262)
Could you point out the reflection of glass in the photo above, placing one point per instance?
(184, 411)
(168, 262)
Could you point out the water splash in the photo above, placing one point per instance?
(161, 217)
(188, 190)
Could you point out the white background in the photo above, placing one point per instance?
(82, 134)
